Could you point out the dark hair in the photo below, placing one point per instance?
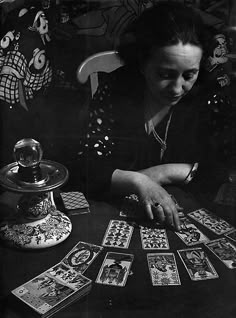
(166, 23)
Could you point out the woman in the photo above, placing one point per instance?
(143, 131)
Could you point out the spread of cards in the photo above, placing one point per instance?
(64, 282)
(162, 265)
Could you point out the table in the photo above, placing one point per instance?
(210, 298)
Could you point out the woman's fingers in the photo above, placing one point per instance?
(158, 212)
(158, 204)
(173, 217)
(176, 221)
(167, 212)
(148, 209)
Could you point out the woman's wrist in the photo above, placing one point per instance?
(191, 173)
(125, 182)
(171, 173)
(156, 174)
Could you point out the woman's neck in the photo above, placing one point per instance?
(154, 110)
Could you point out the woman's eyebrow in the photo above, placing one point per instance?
(192, 70)
(172, 70)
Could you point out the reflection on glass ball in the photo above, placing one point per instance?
(28, 152)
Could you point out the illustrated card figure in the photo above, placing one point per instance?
(81, 256)
(224, 250)
(118, 234)
(190, 234)
(163, 269)
(211, 221)
(115, 269)
(231, 235)
(153, 238)
(68, 276)
(197, 264)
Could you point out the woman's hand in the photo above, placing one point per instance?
(158, 203)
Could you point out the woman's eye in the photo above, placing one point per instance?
(190, 76)
(164, 75)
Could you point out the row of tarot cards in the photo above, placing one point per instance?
(162, 266)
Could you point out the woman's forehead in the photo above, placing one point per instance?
(179, 54)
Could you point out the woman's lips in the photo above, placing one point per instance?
(173, 97)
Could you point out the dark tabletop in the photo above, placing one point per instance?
(208, 298)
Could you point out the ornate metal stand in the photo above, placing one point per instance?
(37, 223)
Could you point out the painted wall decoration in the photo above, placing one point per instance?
(24, 66)
(109, 18)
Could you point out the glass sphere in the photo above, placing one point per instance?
(28, 152)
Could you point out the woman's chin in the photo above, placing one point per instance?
(171, 101)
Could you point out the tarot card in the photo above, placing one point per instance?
(68, 276)
(115, 269)
(224, 250)
(43, 293)
(211, 221)
(231, 235)
(81, 256)
(75, 202)
(163, 269)
(118, 234)
(190, 234)
(197, 264)
(153, 238)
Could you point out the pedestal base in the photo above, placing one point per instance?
(51, 230)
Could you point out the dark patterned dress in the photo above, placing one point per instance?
(116, 138)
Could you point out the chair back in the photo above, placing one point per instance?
(106, 61)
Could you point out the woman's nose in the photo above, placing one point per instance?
(178, 86)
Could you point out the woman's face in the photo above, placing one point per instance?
(171, 71)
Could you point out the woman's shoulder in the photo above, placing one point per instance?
(124, 80)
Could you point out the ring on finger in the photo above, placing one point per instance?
(157, 205)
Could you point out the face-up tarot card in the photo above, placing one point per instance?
(224, 250)
(153, 238)
(211, 221)
(163, 269)
(115, 269)
(118, 234)
(190, 234)
(231, 235)
(47, 291)
(197, 264)
(81, 256)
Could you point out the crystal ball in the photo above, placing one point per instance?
(28, 152)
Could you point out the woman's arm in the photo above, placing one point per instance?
(169, 173)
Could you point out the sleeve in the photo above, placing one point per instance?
(95, 161)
